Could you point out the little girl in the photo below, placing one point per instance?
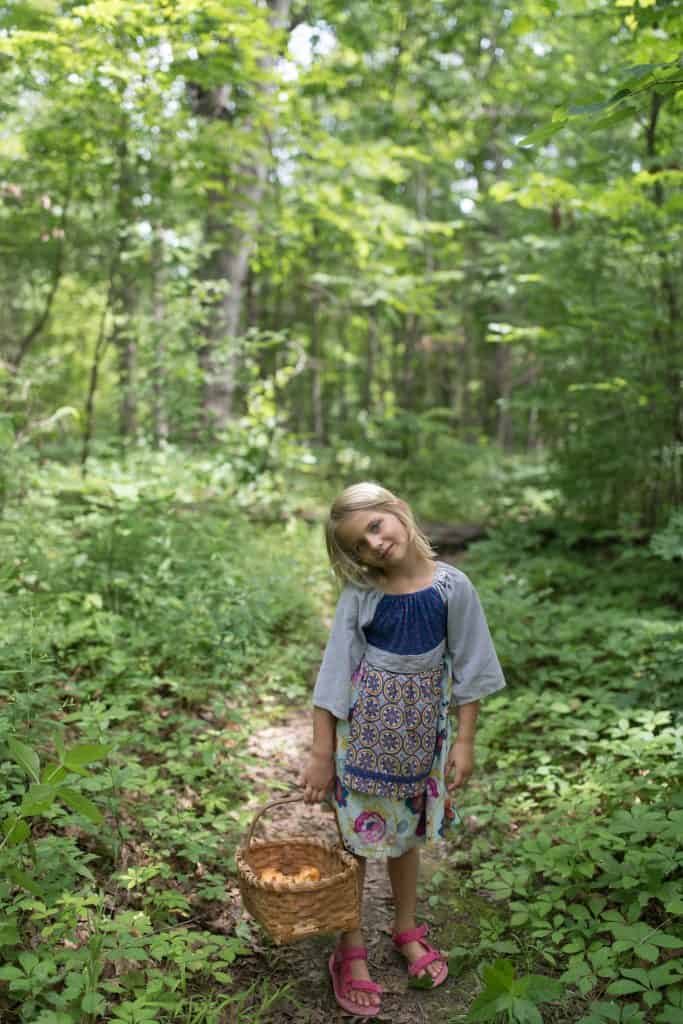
(409, 638)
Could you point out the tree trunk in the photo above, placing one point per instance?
(503, 364)
(370, 362)
(123, 301)
(410, 336)
(229, 260)
(219, 356)
(668, 344)
(319, 430)
(159, 413)
(101, 342)
(44, 315)
(469, 419)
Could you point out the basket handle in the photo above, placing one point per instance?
(287, 800)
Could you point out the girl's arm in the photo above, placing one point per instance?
(460, 762)
(318, 774)
(332, 693)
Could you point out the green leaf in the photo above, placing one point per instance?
(85, 753)
(93, 1002)
(37, 800)
(639, 71)
(26, 757)
(602, 1011)
(669, 1015)
(621, 114)
(9, 973)
(665, 974)
(497, 995)
(9, 933)
(500, 976)
(16, 830)
(589, 108)
(542, 133)
(53, 773)
(624, 988)
(80, 804)
(24, 881)
(488, 1005)
(29, 961)
(620, 94)
(525, 1012)
(543, 989)
(424, 982)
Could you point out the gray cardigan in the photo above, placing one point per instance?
(468, 645)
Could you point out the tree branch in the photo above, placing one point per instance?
(31, 335)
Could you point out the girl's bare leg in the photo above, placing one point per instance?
(403, 872)
(359, 968)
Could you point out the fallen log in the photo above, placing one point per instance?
(453, 536)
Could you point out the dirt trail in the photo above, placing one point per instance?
(281, 749)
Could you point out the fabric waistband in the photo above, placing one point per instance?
(405, 663)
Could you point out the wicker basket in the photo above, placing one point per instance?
(290, 911)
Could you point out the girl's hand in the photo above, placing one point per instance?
(317, 777)
(460, 763)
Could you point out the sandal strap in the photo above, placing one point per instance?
(363, 986)
(412, 935)
(347, 980)
(424, 961)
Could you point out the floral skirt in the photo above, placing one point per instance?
(379, 826)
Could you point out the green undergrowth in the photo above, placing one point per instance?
(159, 611)
(573, 828)
(148, 627)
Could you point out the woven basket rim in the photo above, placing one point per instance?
(250, 878)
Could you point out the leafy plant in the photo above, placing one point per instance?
(506, 997)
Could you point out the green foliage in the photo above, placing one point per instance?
(55, 782)
(668, 542)
(397, 271)
(510, 998)
(575, 825)
(148, 623)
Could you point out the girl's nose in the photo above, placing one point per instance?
(374, 542)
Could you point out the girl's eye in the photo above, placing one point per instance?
(373, 527)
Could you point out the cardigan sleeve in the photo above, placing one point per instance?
(476, 669)
(342, 655)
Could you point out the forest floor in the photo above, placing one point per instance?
(175, 661)
(281, 749)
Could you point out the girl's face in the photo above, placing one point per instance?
(375, 537)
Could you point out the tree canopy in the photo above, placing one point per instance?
(393, 212)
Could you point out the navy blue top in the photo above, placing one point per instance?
(409, 623)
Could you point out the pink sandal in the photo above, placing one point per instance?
(430, 955)
(343, 983)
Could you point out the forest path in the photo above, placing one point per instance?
(280, 750)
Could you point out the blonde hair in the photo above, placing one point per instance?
(347, 567)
